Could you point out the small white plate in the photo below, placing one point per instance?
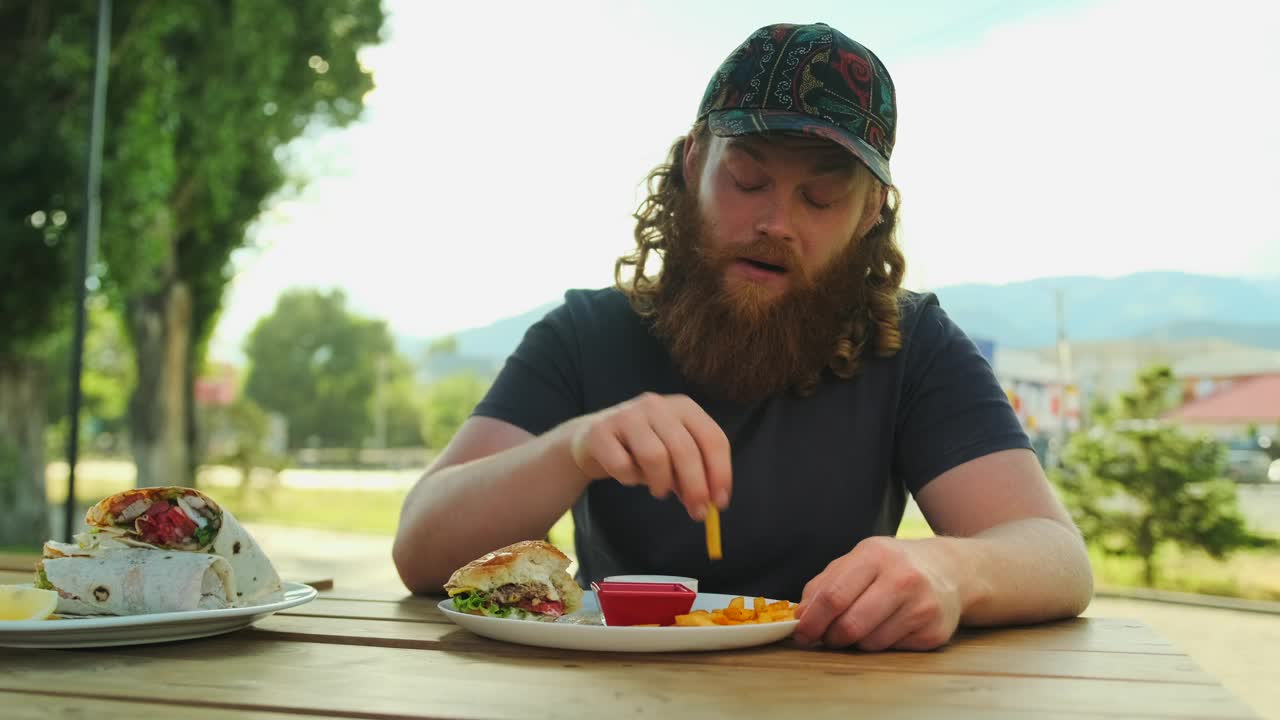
(567, 635)
(109, 630)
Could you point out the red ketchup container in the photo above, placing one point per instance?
(635, 603)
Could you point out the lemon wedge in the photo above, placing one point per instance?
(26, 603)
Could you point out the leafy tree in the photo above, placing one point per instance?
(45, 50)
(316, 363)
(447, 345)
(402, 403)
(221, 88)
(1136, 484)
(107, 379)
(200, 99)
(239, 435)
(449, 401)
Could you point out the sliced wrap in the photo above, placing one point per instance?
(134, 581)
(185, 519)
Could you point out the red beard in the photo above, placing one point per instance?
(742, 341)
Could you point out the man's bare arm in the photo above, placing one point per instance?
(1005, 552)
(1024, 559)
(496, 484)
(493, 485)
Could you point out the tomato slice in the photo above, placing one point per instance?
(183, 525)
(119, 506)
(553, 608)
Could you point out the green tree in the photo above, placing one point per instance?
(201, 97)
(1135, 483)
(401, 404)
(317, 364)
(46, 51)
(447, 345)
(106, 382)
(214, 91)
(449, 401)
(239, 435)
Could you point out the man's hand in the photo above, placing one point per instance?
(666, 443)
(885, 593)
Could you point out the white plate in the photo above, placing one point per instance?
(567, 635)
(104, 631)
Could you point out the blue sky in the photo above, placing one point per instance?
(502, 152)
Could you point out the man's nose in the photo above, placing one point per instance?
(777, 218)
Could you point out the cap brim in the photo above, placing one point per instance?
(740, 121)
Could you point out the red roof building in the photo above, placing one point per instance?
(1254, 400)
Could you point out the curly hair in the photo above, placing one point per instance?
(875, 312)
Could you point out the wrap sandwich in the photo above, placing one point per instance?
(185, 519)
(134, 581)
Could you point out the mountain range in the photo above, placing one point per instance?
(1153, 306)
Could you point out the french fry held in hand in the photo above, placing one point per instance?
(737, 613)
(713, 532)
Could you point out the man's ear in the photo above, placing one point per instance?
(876, 200)
(691, 150)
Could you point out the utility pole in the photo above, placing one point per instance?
(1064, 365)
(85, 278)
(380, 404)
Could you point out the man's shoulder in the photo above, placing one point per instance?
(589, 307)
(595, 313)
(597, 300)
(917, 312)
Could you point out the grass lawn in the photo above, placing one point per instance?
(366, 511)
(1252, 574)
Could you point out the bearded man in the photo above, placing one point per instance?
(774, 367)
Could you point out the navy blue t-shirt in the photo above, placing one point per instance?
(812, 476)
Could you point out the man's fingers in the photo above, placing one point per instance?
(829, 596)
(714, 448)
(929, 637)
(686, 461)
(898, 626)
(605, 448)
(866, 616)
(648, 453)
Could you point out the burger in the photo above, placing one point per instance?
(528, 580)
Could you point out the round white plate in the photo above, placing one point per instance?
(104, 631)
(566, 634)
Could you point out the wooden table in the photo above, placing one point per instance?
(369, 654)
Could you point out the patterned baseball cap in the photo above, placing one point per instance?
(807, 80)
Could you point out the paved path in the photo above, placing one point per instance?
(1242, 649)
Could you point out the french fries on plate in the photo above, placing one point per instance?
(737, 613)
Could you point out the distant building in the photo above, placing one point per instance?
(1236, 406)
(1209, 374)
(1036, 389)
(217, 386)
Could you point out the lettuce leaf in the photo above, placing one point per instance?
(204, 535)
(474, 600)
(42, 580)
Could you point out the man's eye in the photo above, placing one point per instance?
(815, 203)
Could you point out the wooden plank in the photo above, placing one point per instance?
(41, 705)
(411, 610)
(255, 671)
(961, 658)
(346, 592)
(18, 562)
(12, 565)
(17, 575)
(1088, 634)
(1085, 634)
